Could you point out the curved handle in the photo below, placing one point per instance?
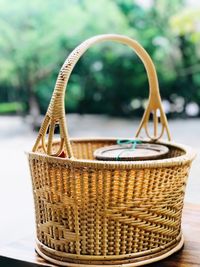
(56, 110)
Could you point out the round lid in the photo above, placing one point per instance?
(131, 150)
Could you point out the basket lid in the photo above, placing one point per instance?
(127, 150)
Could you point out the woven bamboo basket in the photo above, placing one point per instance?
(91, 212)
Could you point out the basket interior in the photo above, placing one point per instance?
(84, 149)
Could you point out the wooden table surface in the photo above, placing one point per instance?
(22, 253)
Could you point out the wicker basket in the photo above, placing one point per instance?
(119, 213)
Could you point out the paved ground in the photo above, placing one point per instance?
(16, 203)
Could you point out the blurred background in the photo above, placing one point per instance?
(108, 88)
(36, 37)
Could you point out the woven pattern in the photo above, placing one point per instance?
(56, 111)
(85, 149)
(91, 212)
(107, 212)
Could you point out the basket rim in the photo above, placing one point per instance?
(142, 260)
(169, 246)
(188, 157)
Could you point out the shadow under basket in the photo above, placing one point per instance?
(108, 212)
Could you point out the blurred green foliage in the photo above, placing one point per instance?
(12, 107)
(36, 36)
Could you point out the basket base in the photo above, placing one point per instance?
(139, 261)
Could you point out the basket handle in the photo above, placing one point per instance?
(56, 110)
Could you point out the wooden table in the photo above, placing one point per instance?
(22, 253)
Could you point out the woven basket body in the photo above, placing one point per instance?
(91, 212)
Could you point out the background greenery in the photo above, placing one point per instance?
(36, 36)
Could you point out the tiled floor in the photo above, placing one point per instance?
(16, 203)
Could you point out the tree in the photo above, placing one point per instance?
(36, 37)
